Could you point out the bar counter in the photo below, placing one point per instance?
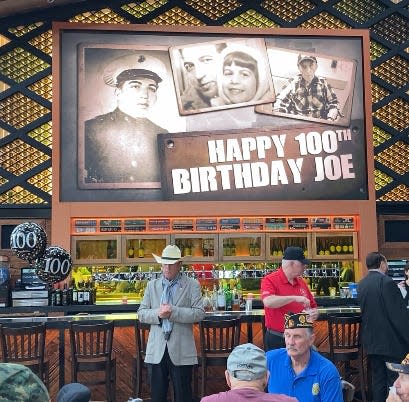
(57, 320)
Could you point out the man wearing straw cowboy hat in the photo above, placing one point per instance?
(172, 303)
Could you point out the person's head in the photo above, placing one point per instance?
(19, 383)
(307, 65)
(376, 260)
(294, 262)
(247, 367)
(74, 392)
(298, 335)
(136, 79)
(171, 260)
(199, 64)
(402, 382)
(240, 77)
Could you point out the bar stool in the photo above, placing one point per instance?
(344, 336)
(141, 339)
(91, 351)
(218, 337)
(25, 344)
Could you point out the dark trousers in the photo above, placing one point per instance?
(181, 377)
(273, 340)
(381, 377)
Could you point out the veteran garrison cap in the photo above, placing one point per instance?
(132, 66)
(400, 368)
(298, 320)
(19, 383)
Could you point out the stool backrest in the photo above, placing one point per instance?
(91, 340)
(219, 336)
(23, 343)
(344, 333)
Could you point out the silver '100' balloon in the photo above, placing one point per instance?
(28, 241)
(54, 265)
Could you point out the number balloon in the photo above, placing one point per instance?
(54, 265)
(28, 241)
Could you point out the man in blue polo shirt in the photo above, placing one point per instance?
(298, 370)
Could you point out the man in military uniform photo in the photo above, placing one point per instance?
(121, 146)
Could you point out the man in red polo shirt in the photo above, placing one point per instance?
(284, 291)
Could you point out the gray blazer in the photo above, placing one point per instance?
(187, 309)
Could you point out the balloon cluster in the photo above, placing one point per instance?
(28, 241)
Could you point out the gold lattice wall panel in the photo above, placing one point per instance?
(18, 195)
(381, 179)
(288, 10)
(376, 50)
(43, 134)
(324, 20)
(394, 28)
(42, 180)
(214, 9)
(394, 114)
(378, 92)
(19, 157)
(43, 88)
(251, 18)
(359, 10)
(380, 136)
(104, 16)
(43, 42)
(140, 10)
(396, 157)
(19, 64)
(395, 71)
(177, 16)
(399, 193)
(22, 30)
(18, 110)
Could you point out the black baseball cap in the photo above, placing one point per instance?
(295, 253)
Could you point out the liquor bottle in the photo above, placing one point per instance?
(214, 297)
(350, 246)
(251, 248)
(205, 247)
(229, 298)
(80, 293)
(65, 296)
(51, 296)
(256, 248)
(233, 248)
(211, 248)
(86, 293)
(131, 251)
(74, 293)
(332, 247)
(320, 247)
(236, 299)
(58, 296)
(221, 299)
(326, 248)
(141, 250)
(338, 247)
(111, 249)
(188, 249)
(344, 247)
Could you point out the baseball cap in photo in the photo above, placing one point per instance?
(295, 253)
(247, 362)
(400, 368)
(303, 57)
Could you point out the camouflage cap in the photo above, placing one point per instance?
(19, 383)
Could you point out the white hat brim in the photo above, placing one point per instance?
(161, 260)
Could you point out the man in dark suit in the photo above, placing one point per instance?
(385, 323)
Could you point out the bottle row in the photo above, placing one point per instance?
(82, 292)
(107, 249)
(118, 281)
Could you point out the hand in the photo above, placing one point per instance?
(165, 310)
(312, 313)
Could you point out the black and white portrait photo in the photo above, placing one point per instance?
(221, 75)
(311, 86)
(126, 99)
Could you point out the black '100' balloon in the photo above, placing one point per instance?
(28, 241)
(54, 265)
